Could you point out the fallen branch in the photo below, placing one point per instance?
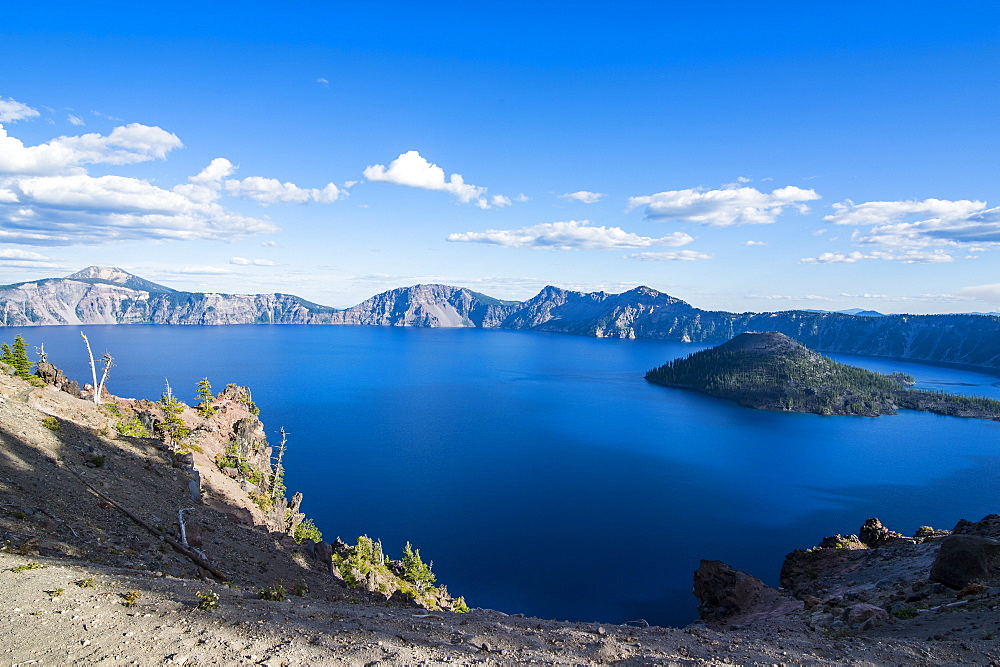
(180, 548)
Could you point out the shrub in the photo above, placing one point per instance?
(131, 427)
(207, 600)
(274, 593)
(307, 530)
(85, 583)
(262, 500)
(130, 598)
(905, 613)
(51, 423)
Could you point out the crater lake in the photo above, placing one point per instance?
(541, 473)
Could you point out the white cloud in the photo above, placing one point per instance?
(412, 170)
(12, 110)
(906, 257)
(272, 191)
(24, 255)
(268, 244)
(521, 198)
(783, 297)
(202, 270)
(987, 293)
(242, 261)
(128, 144)
(884, 212)
(755, 243)
(725, 207)
(47, 197)
(671, 256)
(212, 175)
(75, 120)
(322, 80)
(583, 196)
(571, 235)
(75, 208)
(918, 225)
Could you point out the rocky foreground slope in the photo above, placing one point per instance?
(94, 568)
(101, 295)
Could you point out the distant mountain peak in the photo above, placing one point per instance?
(111, 274)
(115, 276)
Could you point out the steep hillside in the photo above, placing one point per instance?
(113, 545)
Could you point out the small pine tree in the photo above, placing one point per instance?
(205, 396)
(415, 570)
(172, 423)
(16, 355)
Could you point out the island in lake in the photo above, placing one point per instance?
(770, 371)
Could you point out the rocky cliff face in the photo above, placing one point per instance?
(101, 295)
(427, 306)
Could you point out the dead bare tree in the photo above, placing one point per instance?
(107, 360)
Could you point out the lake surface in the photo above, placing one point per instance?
(541, 473)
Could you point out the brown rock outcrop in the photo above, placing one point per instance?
(735, 597)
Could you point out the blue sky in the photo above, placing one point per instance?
(740, 156)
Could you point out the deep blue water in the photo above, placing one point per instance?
(541, 473)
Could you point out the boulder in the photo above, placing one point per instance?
(72, 387)
(866, 616)
(873, 534)
(964, 559)
(735, 597)
(988, 527)
(50, 374)
(323, 552)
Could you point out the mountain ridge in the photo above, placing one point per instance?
(108, 295)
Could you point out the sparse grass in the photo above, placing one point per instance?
(26, 567)
(905, 613)
(207, 600)
(98, 460)
(130, 598)
(51, 423)
(300, 589)
(85, 583)
(56, 593)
